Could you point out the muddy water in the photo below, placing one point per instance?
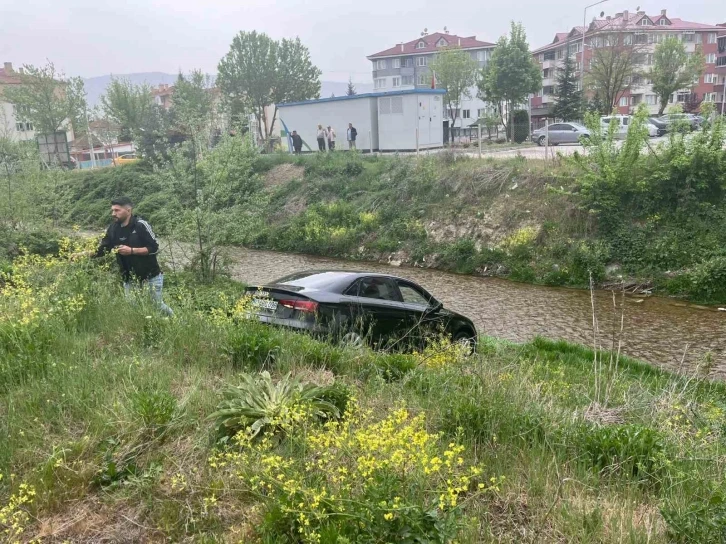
(658, 330)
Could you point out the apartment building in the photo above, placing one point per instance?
(638, 28)
(406, 66)
(720, 86)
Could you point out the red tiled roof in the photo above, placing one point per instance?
(8, 78)
(163, 90)
(409, 48)
(632, 23)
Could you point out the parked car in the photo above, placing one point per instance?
(560, 133)
(126, 159)
(623, 124)
(682, 119)
(661, 127)
(358, 307)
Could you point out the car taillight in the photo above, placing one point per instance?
(301, 305)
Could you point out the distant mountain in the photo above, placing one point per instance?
(96, 86)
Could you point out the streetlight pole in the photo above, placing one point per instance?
(582, 53)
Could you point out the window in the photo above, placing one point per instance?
(408, 62)
(628, 39)
(396, 63)
(711, 37)
(442, 43)
(645, 22)
(711, 58)
(641, 38)
(710, 78)
(421, 61)
(379, 83)
(689, 37)
(550, 55)
(421, 45)
(560, 54)
(574, 48)
(395, 82)
(546, 73)
(381, 64)
(482, 56)
(651, 99)
(709, 97)
(412, 295)
(663, 22)
(623, 101)
(423, 79)
(407, 80)
(541, 57)
(380, 288)
(23, 127)
(466, 114)
(549, 89)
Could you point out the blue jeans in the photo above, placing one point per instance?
(155, 285)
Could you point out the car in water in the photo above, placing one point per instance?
(560, 133)
(359, 307)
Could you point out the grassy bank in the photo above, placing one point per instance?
(107, 413)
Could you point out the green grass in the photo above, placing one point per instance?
(110, 425)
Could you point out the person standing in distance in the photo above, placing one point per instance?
(136, 249)
(331, 138)
(321, 136)
(352, 135)
(297, 142)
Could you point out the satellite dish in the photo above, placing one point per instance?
(602, 14)
(637, 9)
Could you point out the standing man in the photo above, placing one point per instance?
(331, 139)
(352, 135)
(296, 142)
(322, 135)
(136, 248)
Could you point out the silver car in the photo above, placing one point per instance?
(560, 133)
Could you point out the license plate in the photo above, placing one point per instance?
(265, 304)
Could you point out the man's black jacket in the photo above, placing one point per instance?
(137, 233)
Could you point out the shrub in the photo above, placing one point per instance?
(154, 408)
(252, 345)
(632, 449)
(391, 476)
(707, 280)
(703, 520)
(520, 118)
(259, 405)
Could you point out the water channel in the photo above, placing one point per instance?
(662, 331)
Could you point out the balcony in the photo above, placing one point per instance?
(549, 64)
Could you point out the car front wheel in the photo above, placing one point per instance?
(541, 141)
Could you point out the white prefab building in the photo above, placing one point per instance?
(387, 121)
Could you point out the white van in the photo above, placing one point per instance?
(623, 123)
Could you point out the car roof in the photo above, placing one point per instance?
(328, 280)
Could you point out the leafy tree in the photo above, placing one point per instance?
(259, 72)
(511, 74)
(614, 62)
(455, 72)
(192, 107)
(351, 88)
(128, 105)
(673, 69)
(568, 104)
(47, 99)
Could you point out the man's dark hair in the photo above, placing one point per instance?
(122, 201)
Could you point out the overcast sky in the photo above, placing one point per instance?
(91, 38)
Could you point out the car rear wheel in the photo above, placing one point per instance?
(465, 338)
(541, 141)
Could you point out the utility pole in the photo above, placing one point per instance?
(90, 139)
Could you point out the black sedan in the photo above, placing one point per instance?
(358, 307)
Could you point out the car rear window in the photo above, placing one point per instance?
(311, 280)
